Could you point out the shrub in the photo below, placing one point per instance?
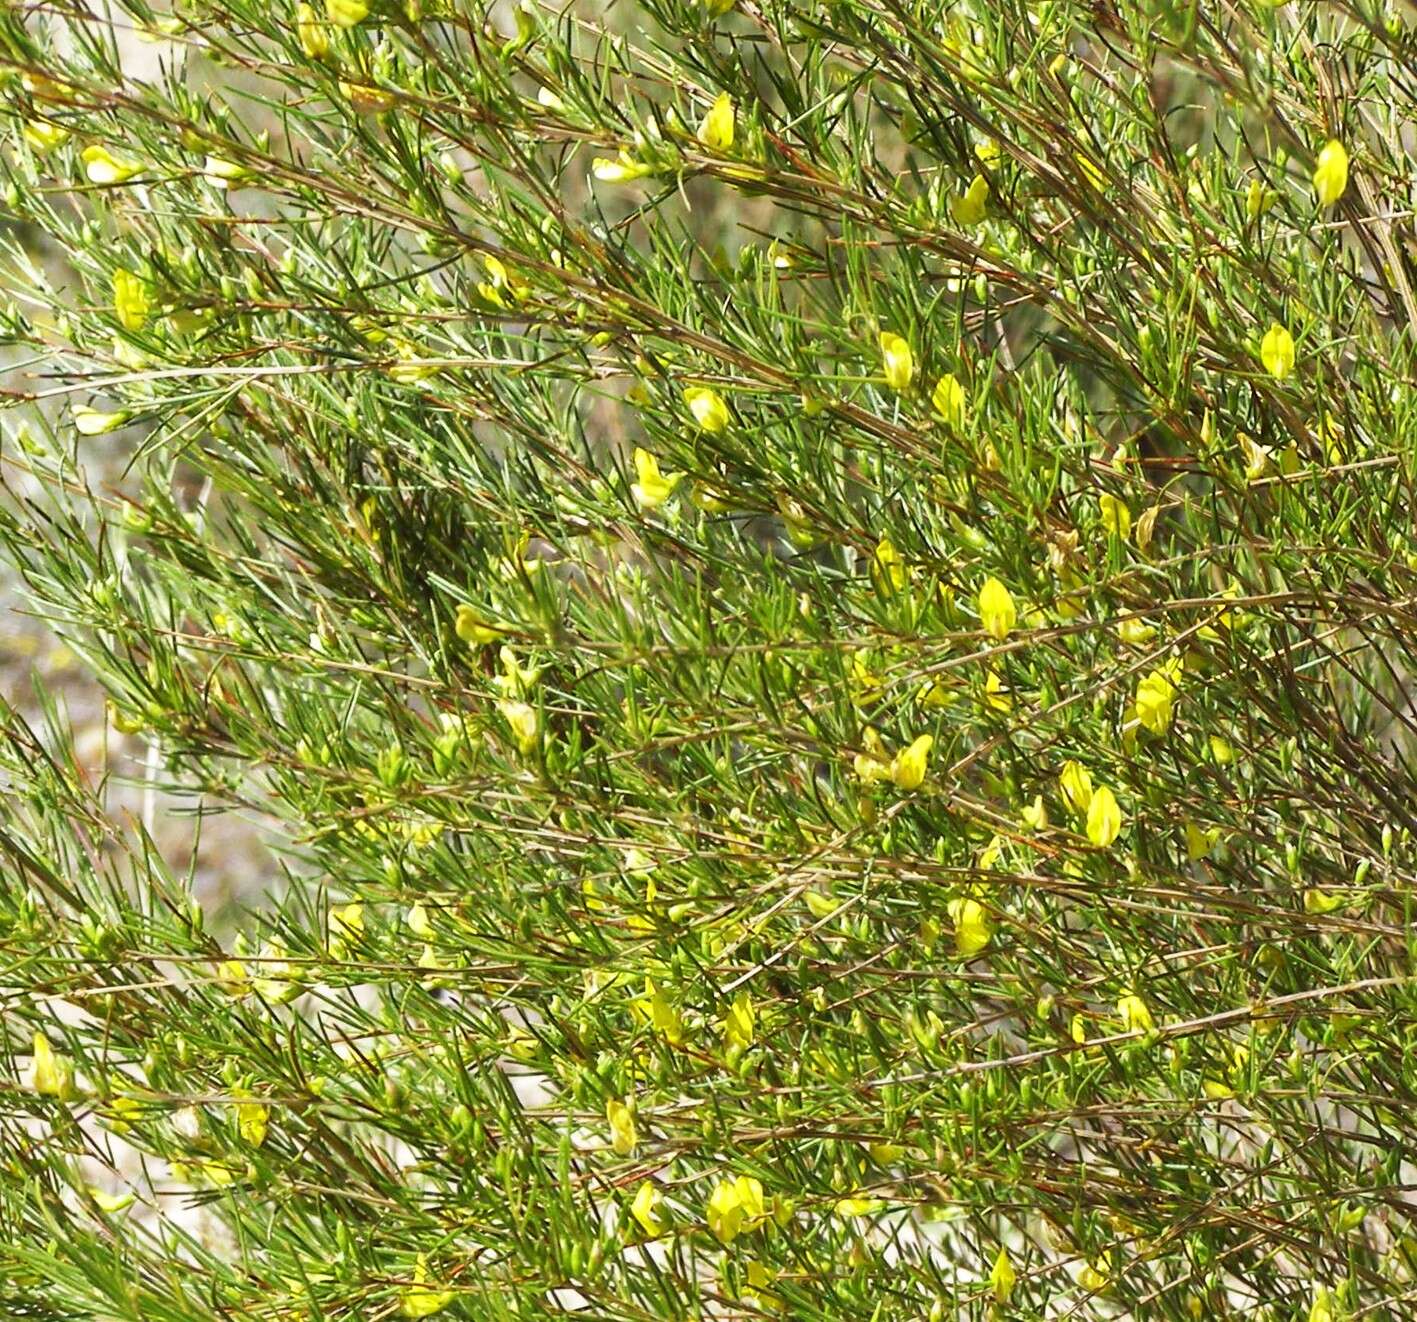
(820, 594)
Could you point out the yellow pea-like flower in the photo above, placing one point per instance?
(44, 136)
(112, 1203)
(889, 570)
(1277, 352)
(1156, 694)
(346, 13)
(103, 167)
(1104, 817)
(908, 767)
(524, 722)
(997, 612)
(623, 1134)
(1002, 1276)
(50, 1074)
(313, 34)
(1116, 517)
(345, 927)
(1331, 173)
(252, 1117)
(131, 300)
(1258, 199)
(1200, 841)
(1133, 1012)
(734, 1206)
(421, 1299)
(646, 1209)
(716, 127)
(660, 1014)
(623, 169)
(654, 487)
(972, 930)
(708, 408)
(970, 208)
(740, 1022)
(1076, 784)
(899, 361)
(473, 628)
(949, 401)
(418, 923)
(871, 765)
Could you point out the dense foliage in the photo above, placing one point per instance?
(822, 597)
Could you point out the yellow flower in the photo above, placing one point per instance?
(1277, 352)
(739, 1022)
(1258, 199)
(232, 977)
(872, 765)
(43, 136)
(662, 1016)
(716, 128)
(890, 572)
(50, 1074)
(1104, 818)
(421, 1299)
(653, 488)
(734, 1206)
(1200, 841)
(1002, 1276)
(708, 408)
(1259, 459)
(473, 628)
(970, 208)
(1076, 784)
(1116, 517)
(1331, 173)
(1322, 1309)
(524, 721)
(1155, 695)
(908, 766)
(899, 361)
(112, 1203)
(1035, 815)
(1094, 1276)
(346, 13)
(314, 38)
(131, 300)
(948, 400)
(646, 1210)
(971, 923)
(418, 924)
(346, 927)
(997, 612)
(1321, 902)
(756, 1283)
(102, 167)
(623, 1134)
(995, 694)
(623, 170)
(252, 1117)
(90, 422)
(221, 174)
(1133, 1012)
(856, 1207)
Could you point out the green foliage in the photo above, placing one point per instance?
(822, 595)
